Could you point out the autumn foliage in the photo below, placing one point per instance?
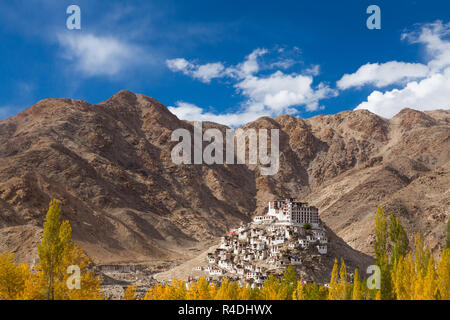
(406, 274)
(49, 279)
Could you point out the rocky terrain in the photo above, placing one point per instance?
(110, 166)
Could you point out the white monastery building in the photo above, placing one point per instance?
(291, 212)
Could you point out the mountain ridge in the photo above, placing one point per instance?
(110, 165)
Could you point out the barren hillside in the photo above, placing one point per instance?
(110, 166)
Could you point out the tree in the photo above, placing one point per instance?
(378, 295)
(398, 239)
(273, 290)
(289, 281)
(54, 241)
(443, 276)
(227, 291)
(201, 290)
(177, 290)
(421, 254)
(247, 293)
(382, 259)
(357, 292)
(430, 282)
(130, 293)
(56, 253)
(381, 236)
(343, 285)
(403, 278)
(333, 292)
(299, 292)
(12, 277)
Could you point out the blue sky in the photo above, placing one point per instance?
(229, 61)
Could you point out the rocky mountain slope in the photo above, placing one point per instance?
(110, 166)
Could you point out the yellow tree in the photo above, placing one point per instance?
(273, 290)
(357, 292)
(443, 275)
(334, 281)
(430, 281)
(289, 281)
(227, 291)
(343, 285)
(176, 291)
(57, 252)
(378, 295)
(246, 293)
(201, 290)
(12, 277)
(155, 293)
(403, 276)
(130, 293)
(299, 292)
(421, 254)
(55, 240)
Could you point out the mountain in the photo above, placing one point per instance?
(110, 165)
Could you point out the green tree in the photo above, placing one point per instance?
(273, 290)
(289, 281)
(56, 253)
(398, 239)
(381, 236)
(55, 240)
(382, 259)
(343, 285)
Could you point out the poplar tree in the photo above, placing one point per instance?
(289, 281)
(381, 236)
(398, 239)
(130, 293)
(343, 285)
(357, 292)
(56, 253)
(12, 277)
(443, 275)
(382, 260)
(421, 254)
(333, 285)
(273, 290)
(55, 239)
(430, 281)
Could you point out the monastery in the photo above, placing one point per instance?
(289, 230)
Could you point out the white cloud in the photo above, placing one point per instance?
(191, 112)
(434, 37)
(209, 71)
(393, 72)
(249, 66)
(430, 91)
(204, 73)
(94, 55)
(265, 95)
(179, 64)
(381, 75)
(278, 92)
(428, 94)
